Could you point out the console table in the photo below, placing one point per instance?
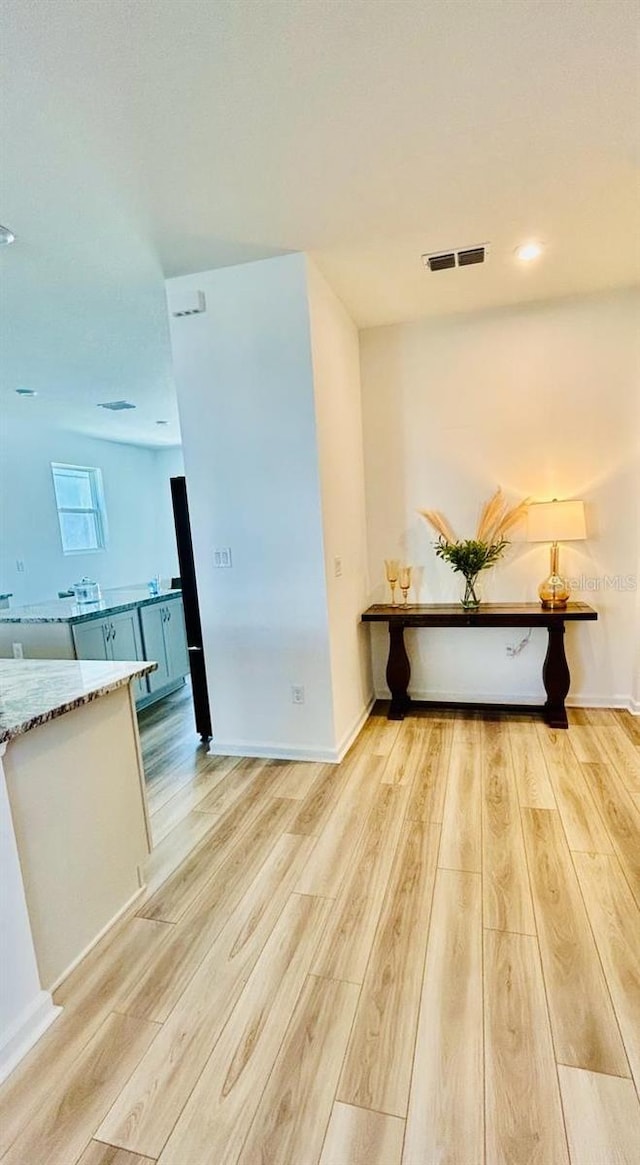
(555, 672)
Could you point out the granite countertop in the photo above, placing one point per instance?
(68, 611)
(33, 691)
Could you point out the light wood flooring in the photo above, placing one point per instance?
(427, 954)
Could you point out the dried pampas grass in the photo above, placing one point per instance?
(513, 517)
(497, 518)
(439, 524)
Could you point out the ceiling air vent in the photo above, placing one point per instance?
(440, 262)
(472, 255)
(116, 406)
(188, 303)
(460, 257)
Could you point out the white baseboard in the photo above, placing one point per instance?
(270, 750)
(598, 701)
(273, 751)
(534, 699)
(94, 941)
(26, 1030)
(355, 730)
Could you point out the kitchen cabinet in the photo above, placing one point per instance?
(130, 624)
(115, 637)
(124, 642)
(90, 640)
(165, 641)
(176, 640)
(152, 623)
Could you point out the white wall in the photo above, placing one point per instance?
(168, 463)
(336, 370)
(545, 401)
(245, 392)
(141, 542)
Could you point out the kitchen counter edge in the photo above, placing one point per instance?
(93, 611)
(47, 704)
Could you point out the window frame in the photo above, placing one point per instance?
(97, 508)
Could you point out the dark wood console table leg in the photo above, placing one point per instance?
(398, 672)
(556, 678)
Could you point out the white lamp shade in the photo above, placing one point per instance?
(556, 522)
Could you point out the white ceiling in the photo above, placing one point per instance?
(143, 138)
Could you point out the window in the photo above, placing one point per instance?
(81, 511)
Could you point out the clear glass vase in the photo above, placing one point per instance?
(470, 600)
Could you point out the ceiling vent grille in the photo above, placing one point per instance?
(460, 257)
(472, 255)
(116, 406)
(189, 303)
(440, 262)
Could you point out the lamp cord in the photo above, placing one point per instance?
(512, 651)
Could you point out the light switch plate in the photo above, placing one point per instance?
(222, 558)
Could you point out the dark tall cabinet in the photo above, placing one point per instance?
(191, 607)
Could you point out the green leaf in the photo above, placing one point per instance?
(469, 557)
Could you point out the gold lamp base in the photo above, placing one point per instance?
(554, 592)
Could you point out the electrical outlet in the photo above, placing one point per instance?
(18, 653)
(222, 558)
(337, 566)
(19, 566)
(297, 694)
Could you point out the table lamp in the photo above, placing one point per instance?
(555, 522)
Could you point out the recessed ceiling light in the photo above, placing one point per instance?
(527, 252)
(162, 422)
(6, 237)
(26, 392)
